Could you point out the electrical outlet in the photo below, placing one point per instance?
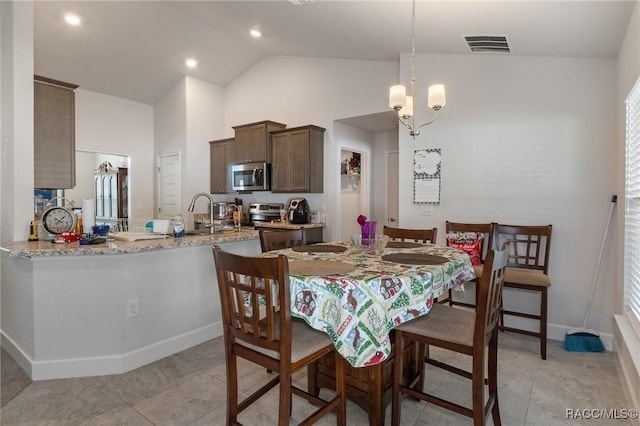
(133, 308)
(139, 205)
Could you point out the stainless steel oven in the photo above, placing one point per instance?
(251, 176)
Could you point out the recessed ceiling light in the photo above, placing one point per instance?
(72, 19)
(255, 33)
(191, 63)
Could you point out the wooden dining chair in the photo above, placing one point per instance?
(250, 290)
(418, 235)
(281, 239)
(486, 230)
(528, 268)
(461, 331)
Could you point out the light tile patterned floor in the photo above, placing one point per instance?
(188, 388)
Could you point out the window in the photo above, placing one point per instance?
(632, 202)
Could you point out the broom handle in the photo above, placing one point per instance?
(614, 198)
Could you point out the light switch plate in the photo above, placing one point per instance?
(426, 209)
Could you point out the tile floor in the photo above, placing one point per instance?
(188, 388)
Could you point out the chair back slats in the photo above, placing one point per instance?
(256, 313)
(418, 235)
(250, 298)
(529, 245)
(480, 228)
(490, 288)
(281, 239)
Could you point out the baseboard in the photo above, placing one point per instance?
(16, 352)
(628, 349)
(559, 332)
(111, 364)
(554, 331)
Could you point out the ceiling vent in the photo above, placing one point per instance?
(488, 43)
(300, 2)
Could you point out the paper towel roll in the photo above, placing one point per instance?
(88, 215)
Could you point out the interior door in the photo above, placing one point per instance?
(392, 189)
(169, 186)
(353, 192)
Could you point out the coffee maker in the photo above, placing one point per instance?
(299, 211)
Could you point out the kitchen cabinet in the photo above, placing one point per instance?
(222, 154)
(54, 134)
(298, 159)
(253, 142)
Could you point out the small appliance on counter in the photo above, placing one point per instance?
(299, 211)
(264, 212)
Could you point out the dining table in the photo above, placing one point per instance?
(358, 295)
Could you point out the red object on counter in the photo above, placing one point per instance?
(67, 237)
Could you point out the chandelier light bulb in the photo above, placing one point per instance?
(436, 96)
(407, 110)
(397, 97)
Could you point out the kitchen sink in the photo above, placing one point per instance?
(201, 232)
(198, 232)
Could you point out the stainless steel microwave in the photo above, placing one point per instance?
(251, 176)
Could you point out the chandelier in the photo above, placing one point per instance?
(403, 104)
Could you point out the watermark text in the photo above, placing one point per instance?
(601, 413)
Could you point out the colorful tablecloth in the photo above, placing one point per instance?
(359, 309)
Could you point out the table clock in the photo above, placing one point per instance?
(58, 219)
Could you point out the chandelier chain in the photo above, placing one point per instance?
(413, 49)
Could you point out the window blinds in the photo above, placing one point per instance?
(632, 198)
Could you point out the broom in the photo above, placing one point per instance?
(583, 339)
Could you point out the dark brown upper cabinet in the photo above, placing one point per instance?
(54, 134)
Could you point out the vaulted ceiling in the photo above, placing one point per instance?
(136, 49)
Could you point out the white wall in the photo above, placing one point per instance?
(524, 141)
(170, 129)
(186, 118)
(112, 125)
(16, 112)
(205, 122)
(383, 143)
(527, 141)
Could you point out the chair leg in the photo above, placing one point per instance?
(341, 389)
(397, 375)
(312, 379)
(232, 389)
(493, 378)
(477, 385)
(423, 356)
(284, 411)
(543, 324)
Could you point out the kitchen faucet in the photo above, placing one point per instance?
(193, 205)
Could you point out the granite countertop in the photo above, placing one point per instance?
(47, 248)
(287, 225)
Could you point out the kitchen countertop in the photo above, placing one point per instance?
(287, 225)
(47, 248)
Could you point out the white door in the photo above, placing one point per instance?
(392, 189)
(169, 186)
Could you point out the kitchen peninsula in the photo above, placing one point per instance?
(71, 310)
